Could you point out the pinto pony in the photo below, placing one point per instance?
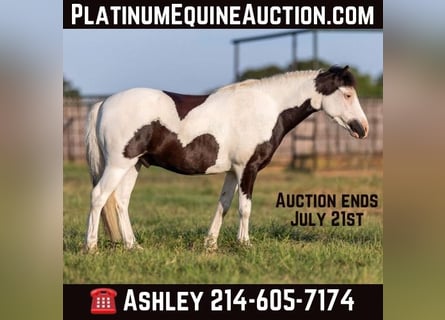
(235, 130)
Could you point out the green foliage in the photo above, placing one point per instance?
(310, 64)
(366, 86)
(69, 91)
(261, 72)
(171, 213)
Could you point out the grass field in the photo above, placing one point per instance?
(171, 213)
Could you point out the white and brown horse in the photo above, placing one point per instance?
(234, 130)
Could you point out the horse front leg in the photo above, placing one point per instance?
(245, 206)
(246, 182)
(225, 200)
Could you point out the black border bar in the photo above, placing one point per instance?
(90, 11)
(367, 298)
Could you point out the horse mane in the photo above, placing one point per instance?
(326, 82)
(291, 75)
(277, 78)
(237, 85)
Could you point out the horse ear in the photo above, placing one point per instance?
(347, 79)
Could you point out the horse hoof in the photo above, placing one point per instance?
(135, 247)
(245, 243)
(210, 244)
(90, 249)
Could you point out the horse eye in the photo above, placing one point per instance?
(347, 95)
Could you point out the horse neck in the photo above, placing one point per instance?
(293, 94)
(290, 118)
(291, 89)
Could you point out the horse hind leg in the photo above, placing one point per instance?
(225, 200)
(108, 182)
(123, 194)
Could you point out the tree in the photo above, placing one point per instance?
(69, 91)
(261, 72)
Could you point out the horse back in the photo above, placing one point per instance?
(185, 102)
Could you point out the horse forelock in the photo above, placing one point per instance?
(328, 81)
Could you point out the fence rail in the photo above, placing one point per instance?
(315, 143)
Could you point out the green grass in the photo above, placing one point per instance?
(171, 213)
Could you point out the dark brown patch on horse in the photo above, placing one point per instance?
(158, 146)
(185, 102)
(262, 156)
(327, 82)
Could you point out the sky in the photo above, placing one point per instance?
(196, 61)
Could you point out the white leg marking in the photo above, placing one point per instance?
(225, 200)
(245, 206)
(123, 194)
(107, 184)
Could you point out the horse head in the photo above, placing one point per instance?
(340, 101)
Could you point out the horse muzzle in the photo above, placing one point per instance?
(358, 129)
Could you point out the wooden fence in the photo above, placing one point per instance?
(317, 143)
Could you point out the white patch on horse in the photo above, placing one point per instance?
(245, 206)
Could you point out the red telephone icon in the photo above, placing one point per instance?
(103, 301)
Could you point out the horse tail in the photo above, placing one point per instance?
(96, 165)
(94, 154)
